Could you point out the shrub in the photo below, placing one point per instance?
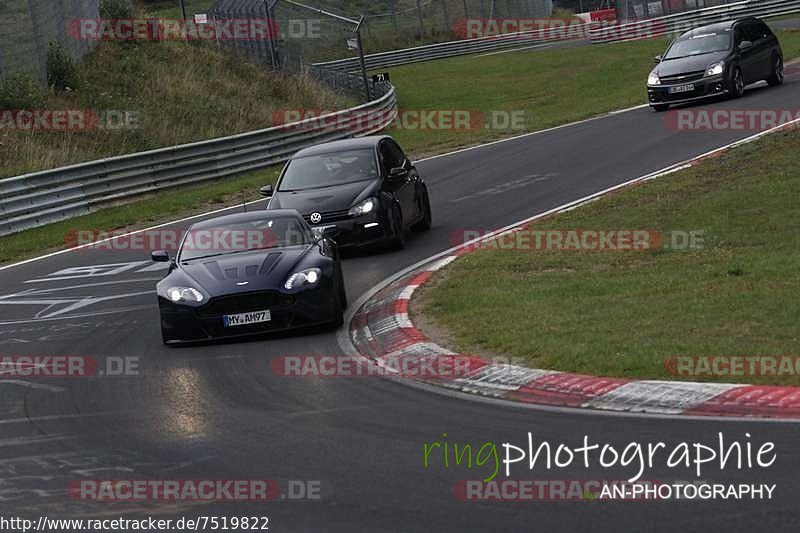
(61, 72)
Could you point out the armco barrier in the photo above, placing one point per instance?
(681, 22)
(596, 33)
(41, 198)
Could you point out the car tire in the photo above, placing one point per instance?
(737, 84)
(658, 108)
(777, 71)
(398, 239)
(427, 219)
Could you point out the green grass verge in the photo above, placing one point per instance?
(624, 313)
(549, 87)
(143, 212)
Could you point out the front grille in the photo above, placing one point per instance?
(330, 216)
(686, 77)
(244, 303)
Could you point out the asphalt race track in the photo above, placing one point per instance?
(219, 412)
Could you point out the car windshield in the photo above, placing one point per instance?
(704, 43)
(243, 236)
(324, 170)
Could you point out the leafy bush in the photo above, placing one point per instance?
(21, 92)
(61, 72)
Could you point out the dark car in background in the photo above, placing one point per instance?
(718, 59)
(250, 273)
(365, 190)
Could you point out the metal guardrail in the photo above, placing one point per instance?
(682, 22)
(428, 52)
(40, 198)
(595, 33)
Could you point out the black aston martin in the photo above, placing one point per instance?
(250, 273)
(365, 188)
(718, 59)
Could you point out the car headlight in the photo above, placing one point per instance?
(715, 69)
(367, 206)
(652, 79)
(184, 295)
(304, 278)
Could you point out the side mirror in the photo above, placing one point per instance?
(160, 256)
(398, 173)
(744, 45)
(657, 59)
(327, 232)
(266, 190)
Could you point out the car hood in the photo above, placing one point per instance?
(673, 67)
(326, 199)
(245, 272)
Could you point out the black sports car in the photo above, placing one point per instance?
(717, 59)
(250, 273)
(366, 188)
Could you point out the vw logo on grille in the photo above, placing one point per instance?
(316, 218)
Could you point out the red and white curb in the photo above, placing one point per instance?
(380, 329)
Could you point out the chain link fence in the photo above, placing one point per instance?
(27, 27)
(313, 31)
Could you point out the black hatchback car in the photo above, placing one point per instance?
(718, 59)
(362, 191)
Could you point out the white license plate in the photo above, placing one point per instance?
(682, 88)
(245, 319)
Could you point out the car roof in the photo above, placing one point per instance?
(246, 217)
(716, 27)
(342, 145)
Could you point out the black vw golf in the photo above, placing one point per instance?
(364, 189)
(717, 59)
(250, 273)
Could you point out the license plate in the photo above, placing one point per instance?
(682, 88)
(245, 319)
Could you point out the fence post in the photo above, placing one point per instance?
(3, 72)
(419, 16)
(446, 14)
(466, 11)
(271, 40)
(393, 7)
(362, 61)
